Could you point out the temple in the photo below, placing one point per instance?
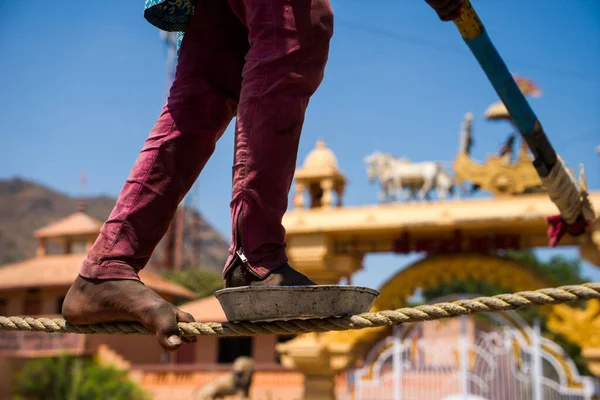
(457, 239)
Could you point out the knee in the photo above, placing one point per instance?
(200, 112)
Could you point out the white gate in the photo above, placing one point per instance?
(491, 356)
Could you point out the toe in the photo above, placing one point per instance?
(164, 323)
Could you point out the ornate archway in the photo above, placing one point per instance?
(434, 270)
(321, 356)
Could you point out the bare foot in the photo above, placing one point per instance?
(240, 275)
(121, 300)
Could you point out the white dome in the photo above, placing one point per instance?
(320, 157)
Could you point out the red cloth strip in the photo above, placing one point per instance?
(558, 227)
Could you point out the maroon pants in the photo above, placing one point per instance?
(260, 60)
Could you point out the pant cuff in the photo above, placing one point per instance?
(108, 270)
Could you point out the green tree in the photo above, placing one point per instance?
(202, 281)
(558, 270)
(71, 378)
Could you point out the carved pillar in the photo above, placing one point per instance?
(298, 201)
(311, 355)
(327, 187)
(319, 387)
(339, 191)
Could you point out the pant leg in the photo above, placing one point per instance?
(289, 42)
(201, 104)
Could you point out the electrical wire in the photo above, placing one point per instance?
(455, 50)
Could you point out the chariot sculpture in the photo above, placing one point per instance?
(509, 172)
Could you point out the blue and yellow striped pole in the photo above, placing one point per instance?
(558, 181)
(478, 41)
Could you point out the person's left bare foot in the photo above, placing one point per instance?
(121, 300)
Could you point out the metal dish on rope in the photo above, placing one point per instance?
(281, 303)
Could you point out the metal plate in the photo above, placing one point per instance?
(270, 303)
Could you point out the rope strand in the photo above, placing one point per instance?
(430, 312)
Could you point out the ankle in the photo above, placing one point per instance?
(240, 274)
(284, 275)
(108, 270)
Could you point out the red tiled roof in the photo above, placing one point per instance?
(62, 269)
(79, 223)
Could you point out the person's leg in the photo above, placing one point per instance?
(201, 104)
(284, 67)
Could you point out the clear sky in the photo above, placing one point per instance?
(83, 82)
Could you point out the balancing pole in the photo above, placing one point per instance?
(576, 211)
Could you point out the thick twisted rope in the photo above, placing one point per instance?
(562, 189)
(431, 312)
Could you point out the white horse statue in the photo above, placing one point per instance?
(397, 174)
(379, 168)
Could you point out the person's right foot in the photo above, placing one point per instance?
(285, 275)
(92, 301)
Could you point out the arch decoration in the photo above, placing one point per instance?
(434, 270)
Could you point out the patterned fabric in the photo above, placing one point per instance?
(170, 15)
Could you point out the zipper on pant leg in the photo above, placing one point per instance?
(240, 244)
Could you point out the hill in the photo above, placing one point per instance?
(26, 206)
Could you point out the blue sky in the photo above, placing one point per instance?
(83, 83)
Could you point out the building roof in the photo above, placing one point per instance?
(320, 158)
(206, 309)
(523, 215)
(62, 269)
(76, 224)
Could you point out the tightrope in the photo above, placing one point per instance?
(501, 302)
